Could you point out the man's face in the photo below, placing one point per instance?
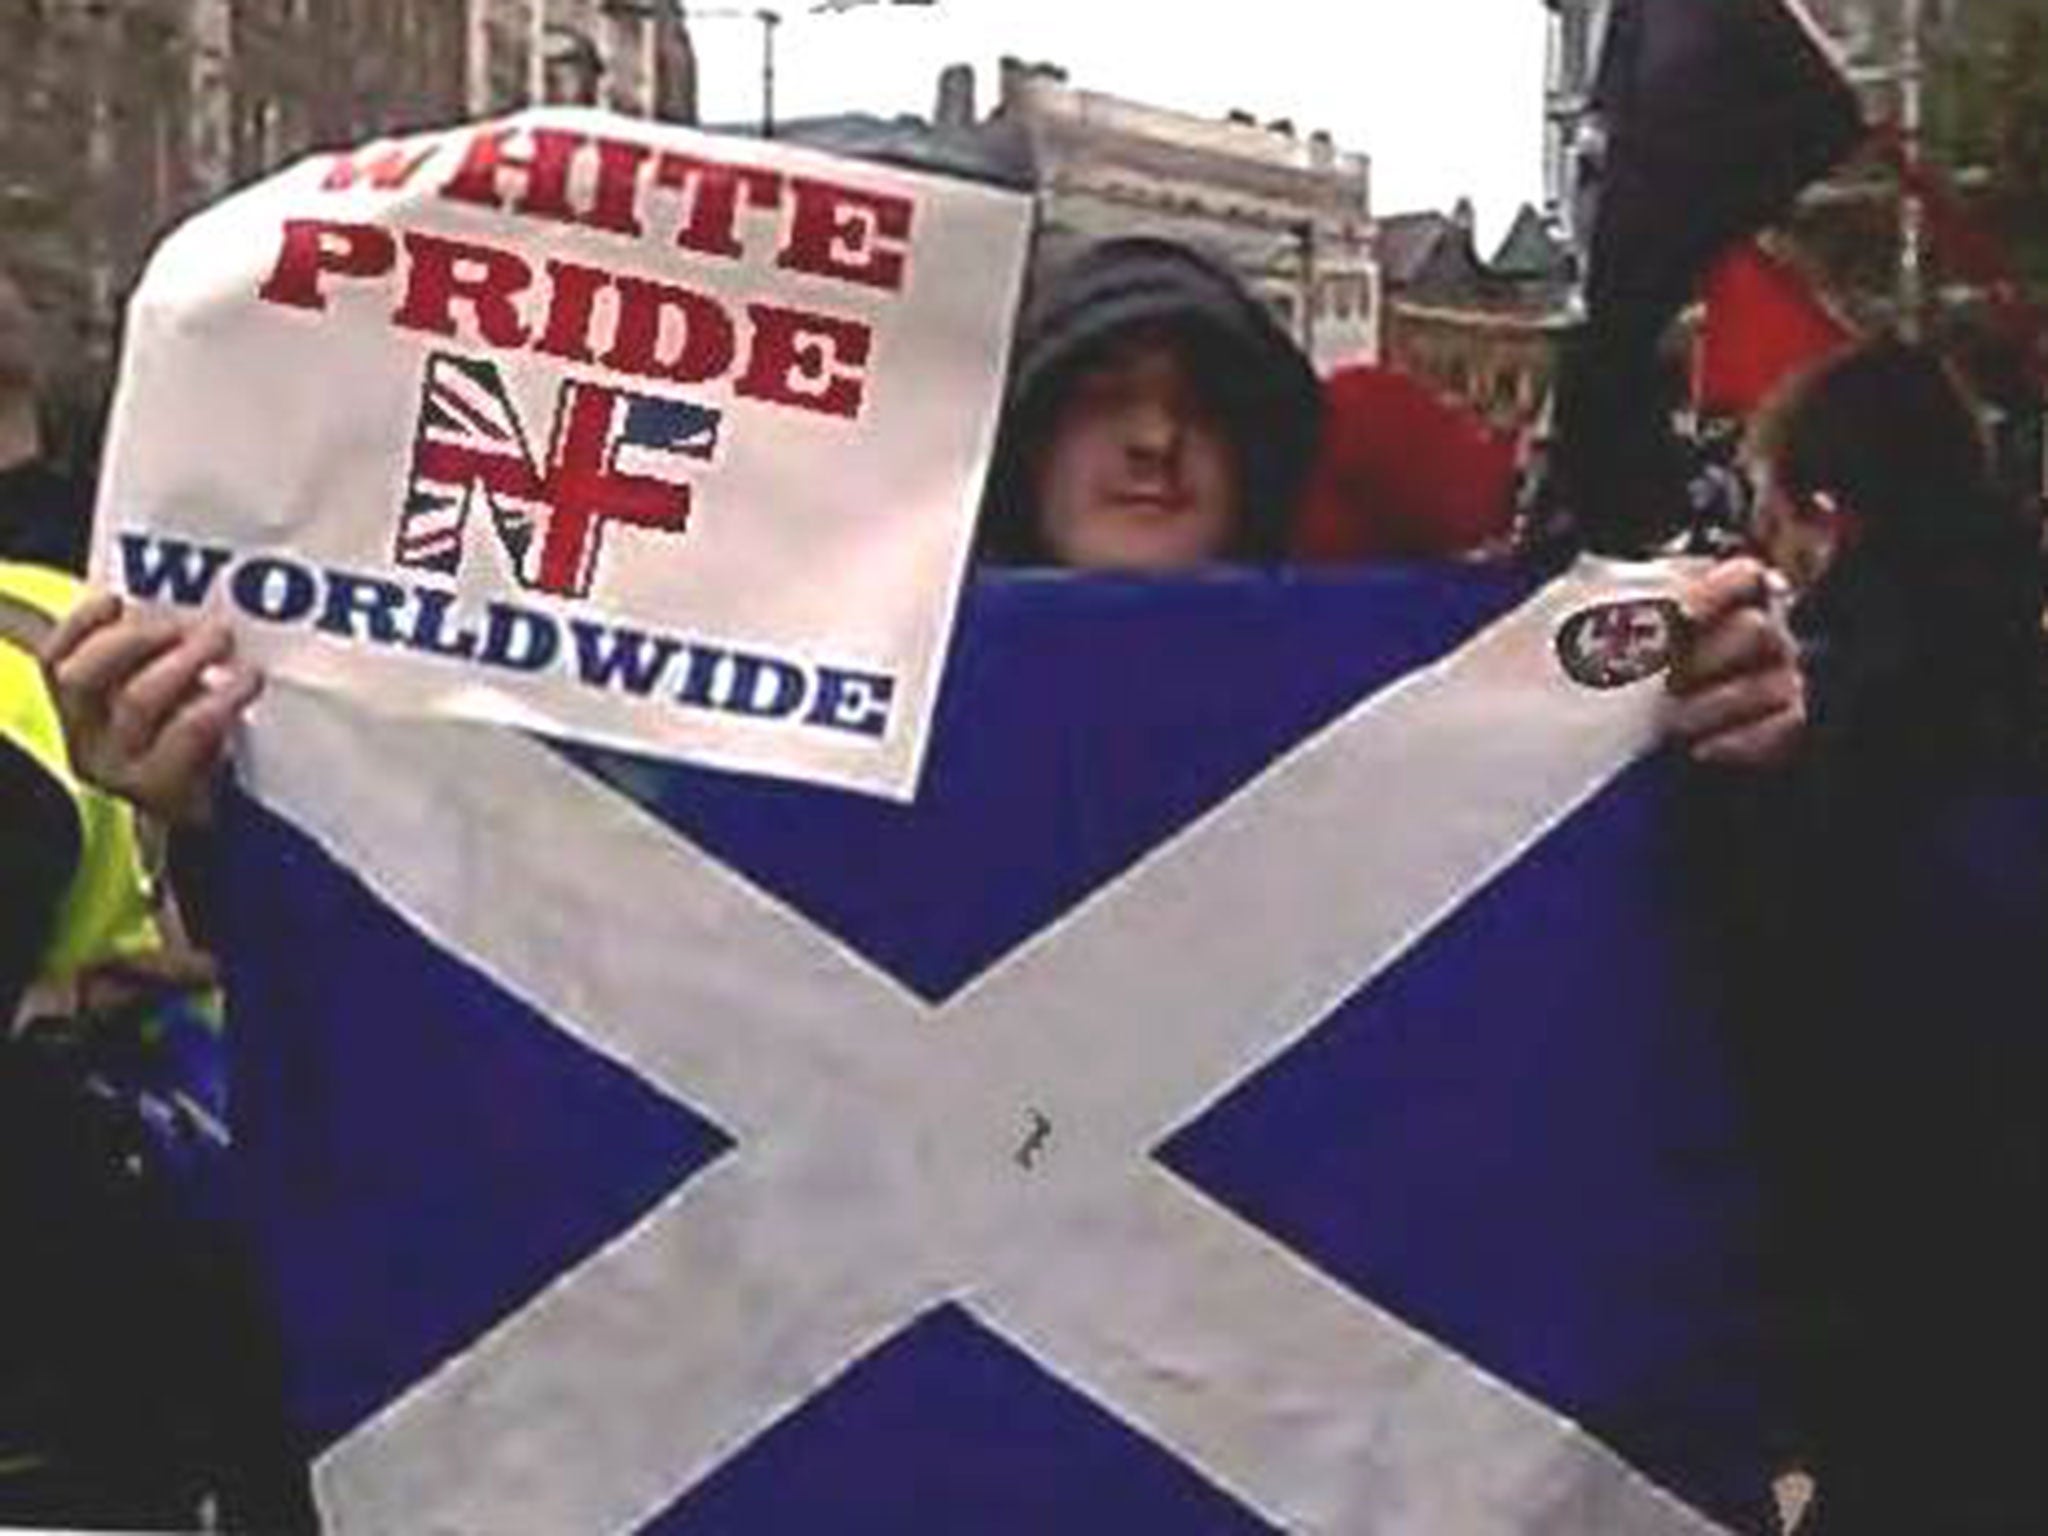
(1138, 471)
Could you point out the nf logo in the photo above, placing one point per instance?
(613, 456)
(1612, 645)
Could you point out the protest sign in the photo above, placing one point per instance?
(580, 423)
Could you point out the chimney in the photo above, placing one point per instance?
(1322, 150)
(956, 97)
(1013, 75)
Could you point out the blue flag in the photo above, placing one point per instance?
(1260, 1083)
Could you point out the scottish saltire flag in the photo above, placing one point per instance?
(1258, 1085)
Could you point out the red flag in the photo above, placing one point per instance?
(1970, 250)
(1764, 322)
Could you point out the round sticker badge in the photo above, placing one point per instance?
(1617, 644)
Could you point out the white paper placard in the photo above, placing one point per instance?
(579, 423)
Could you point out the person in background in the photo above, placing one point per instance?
(1884, 902)
(44, 514)
(77, 880)
(1920, 597)
(138, 1380)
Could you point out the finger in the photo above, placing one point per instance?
(86, 680)
(1743, 642)
(173, 778)
(140, 707)
(1725, 587)
(1762, 744)
(237, 684)
(1734, 707)
(90, 616)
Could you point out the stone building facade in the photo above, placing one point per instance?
(118, 117)
(1290, 212)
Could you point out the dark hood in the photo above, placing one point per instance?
(1263, 384)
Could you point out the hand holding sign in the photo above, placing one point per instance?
(147, 702)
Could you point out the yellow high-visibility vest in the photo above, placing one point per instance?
(108, 910)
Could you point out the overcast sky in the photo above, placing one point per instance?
(1446, 96)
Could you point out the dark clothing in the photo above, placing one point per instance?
(139, 1378)
(1925, 663)
(1261, 383)
(39, 840)
(1883, 908)
(45, 518)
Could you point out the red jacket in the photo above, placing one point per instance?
(1402, 474)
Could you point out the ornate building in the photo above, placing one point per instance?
(1481, 332)
(1291, 213)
